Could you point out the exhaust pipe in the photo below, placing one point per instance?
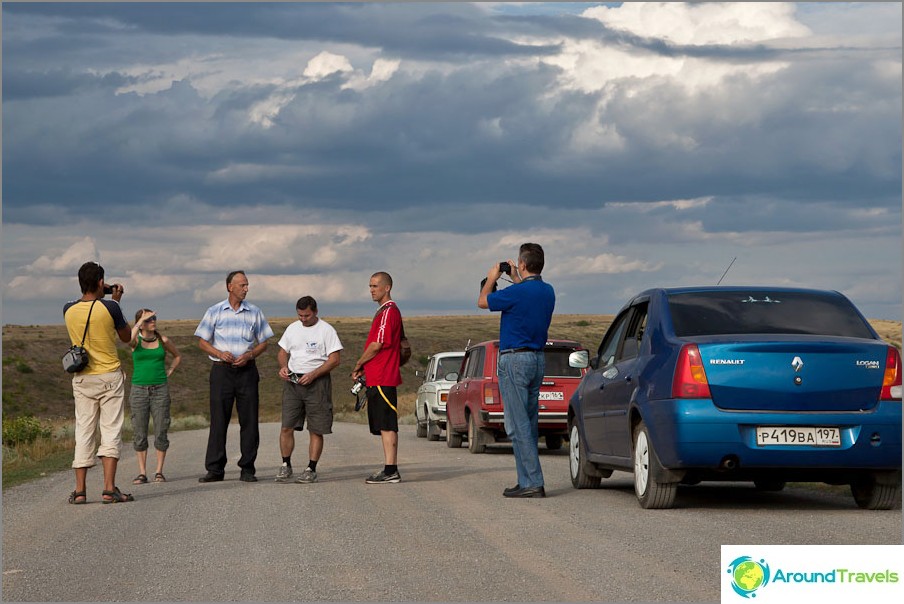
(729, 463)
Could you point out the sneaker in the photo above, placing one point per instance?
(284, 474)
(307, 476)
(382, 477)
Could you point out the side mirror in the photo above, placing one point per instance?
(452, 377)
(579, 359)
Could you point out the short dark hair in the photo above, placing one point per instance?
(384, 277)
(89, 276)
(532, 256)
(306, 302)
(232, 275)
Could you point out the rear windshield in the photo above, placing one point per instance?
(736, 312)
(447, 365)
(557, 363)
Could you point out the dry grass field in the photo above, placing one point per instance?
(34, 383)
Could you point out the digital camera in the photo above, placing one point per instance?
(506, 268)
(359, 384)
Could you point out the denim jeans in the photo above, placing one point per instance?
(520, 377)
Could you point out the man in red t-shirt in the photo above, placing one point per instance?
(379, 363)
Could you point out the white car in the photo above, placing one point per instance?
(430, 410)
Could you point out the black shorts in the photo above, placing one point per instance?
(382, 409)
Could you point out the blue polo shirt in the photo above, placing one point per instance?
(526, 312)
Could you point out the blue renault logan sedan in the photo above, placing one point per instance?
(744, 384)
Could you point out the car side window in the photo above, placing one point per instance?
(634, 332)
(477, 365)
(431, 371)
(609, 345)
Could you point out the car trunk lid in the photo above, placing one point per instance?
(831, 375)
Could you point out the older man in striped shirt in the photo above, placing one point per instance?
(233, 333)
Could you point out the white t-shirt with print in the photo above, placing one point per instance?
(309, 347)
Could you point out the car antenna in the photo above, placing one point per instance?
(468, 345)
(726, 270)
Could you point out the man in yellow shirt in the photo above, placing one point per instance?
(98, 389)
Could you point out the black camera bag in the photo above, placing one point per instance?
(76, 358)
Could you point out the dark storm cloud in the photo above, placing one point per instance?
(20, 84)
(405, 29)
(821, 133)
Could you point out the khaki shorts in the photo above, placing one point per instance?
(99, 403)
(313, 402)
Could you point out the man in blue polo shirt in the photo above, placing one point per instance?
(526, 308)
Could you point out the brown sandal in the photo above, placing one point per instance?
(159, 477)
(74, 498)
(117, 496)
(140, 479)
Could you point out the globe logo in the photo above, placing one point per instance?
(748, 575)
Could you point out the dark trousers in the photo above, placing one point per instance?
(228, 384)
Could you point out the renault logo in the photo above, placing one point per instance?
(797, 363)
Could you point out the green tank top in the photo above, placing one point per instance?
(148, 367)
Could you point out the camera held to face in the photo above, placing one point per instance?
(108, 289)
(506, 268)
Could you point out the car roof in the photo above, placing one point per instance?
(549, 341)
(738, 288)
(450, 353)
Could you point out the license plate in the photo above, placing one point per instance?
(552, 396)
(767, 436)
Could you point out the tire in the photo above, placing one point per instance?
(651, 494)
(554, 441)
(476, 440)
(872, 495)
(433, 430)
(583, 474)
(423, 427)
(773, 486)
(453, 438)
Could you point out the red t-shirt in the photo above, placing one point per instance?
(383, 369)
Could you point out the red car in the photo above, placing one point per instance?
(474, 408)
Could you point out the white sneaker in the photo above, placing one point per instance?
(308, 476)
(284, 474)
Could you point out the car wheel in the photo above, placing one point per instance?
(554, 441)
(422, 426)
(476, 442)
(453, 438)
(769, 485)
(583, 474)
(651, 494)
(872, 495)
(433, 429)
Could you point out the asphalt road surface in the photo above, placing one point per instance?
(445, 533)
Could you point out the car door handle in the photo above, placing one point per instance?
(628, 378)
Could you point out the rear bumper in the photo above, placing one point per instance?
(696, 434)
(547, 419)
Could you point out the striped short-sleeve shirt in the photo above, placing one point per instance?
(234, 331)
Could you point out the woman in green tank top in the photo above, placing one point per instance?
(149, 395)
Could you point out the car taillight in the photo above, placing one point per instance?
(690, 376)
(490, 394)
(891, 383)
(444, 397)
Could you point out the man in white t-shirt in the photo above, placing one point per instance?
(308, 351)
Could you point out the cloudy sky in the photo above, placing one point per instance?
(641, 144)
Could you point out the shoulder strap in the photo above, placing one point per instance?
(85, 335)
